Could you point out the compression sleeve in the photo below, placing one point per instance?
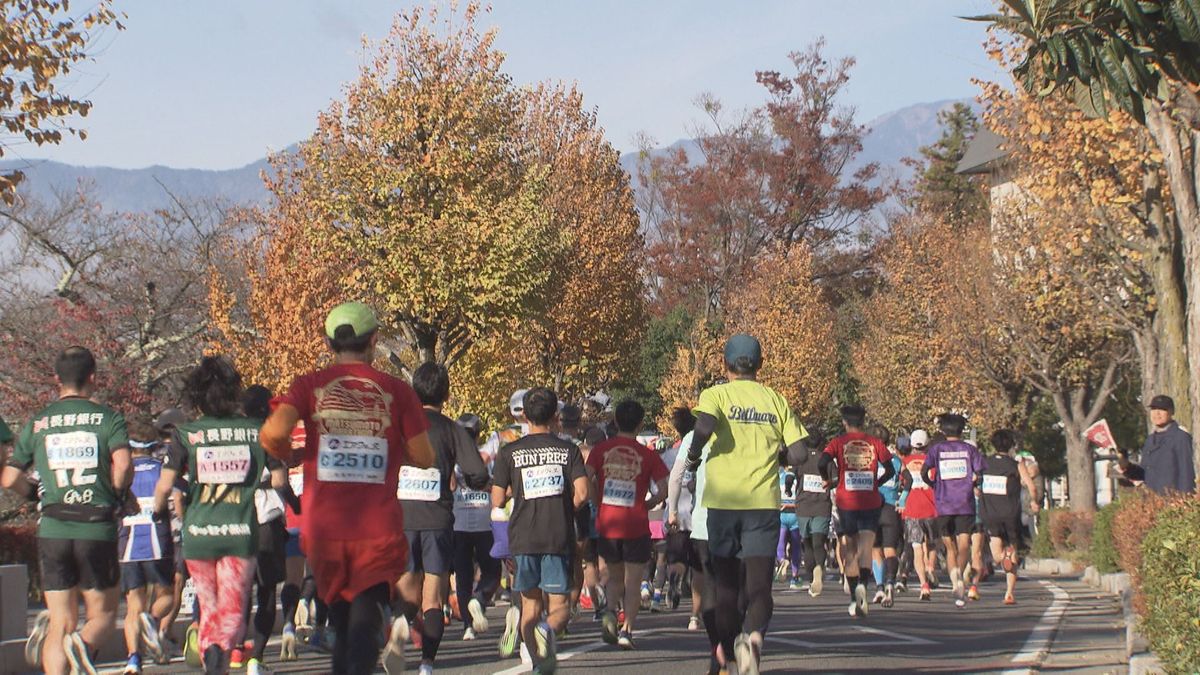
(889, 470)
(705, 426)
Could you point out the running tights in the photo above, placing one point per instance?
(471, 549)
(814, 552)
(289, 599)
(727, 573)
(359, 626)
(789, 548)
(264, 618)
(222, 590)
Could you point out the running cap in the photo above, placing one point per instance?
(358, 316)
(919, 438)
(1163, 402)
(169, 419)
(516, 402)
(743, 346)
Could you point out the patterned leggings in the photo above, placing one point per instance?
(223, 590)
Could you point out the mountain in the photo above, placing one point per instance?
(890, 138)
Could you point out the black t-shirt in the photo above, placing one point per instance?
(541, 470)
(812, 499)
(1001, 489)
(425, 494)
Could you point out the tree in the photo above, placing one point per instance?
(39, 46)
(1143, 58)
(940, 189)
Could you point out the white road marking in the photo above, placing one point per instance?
(1038, 643)
(564, 656)
(892, 638)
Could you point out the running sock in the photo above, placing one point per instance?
(864, 573)
(891, 565)
(710, 627)
(877, 572)
(819, 552)
(432, 630)
(853, 583)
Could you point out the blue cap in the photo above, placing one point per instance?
(743, 345)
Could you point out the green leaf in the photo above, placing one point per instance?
(1186, 23)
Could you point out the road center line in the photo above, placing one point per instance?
(1038, 642)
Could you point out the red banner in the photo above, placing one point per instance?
(1100, 435)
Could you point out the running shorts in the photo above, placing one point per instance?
(921, 530)
(345, 568)
(681, 550)
(550, 573)
(953, 526)
(430, 551)
(887, 533)
(744, 533)
(813, 525)
(145, 573)
(293, 543)
(1007, 530)
(852, 521)
(84, 563)
(788, 521)
(635, 551)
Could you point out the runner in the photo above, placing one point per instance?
(473, 544)
(165, 424)
(292, 594)
(885, 561)
(81, 450)
(920, 514)
(863, 465)
(788, 556)
(679, 558)
(147, 553)
(748, 424)
(223, 458)
(623, 471)
(548, 483)
(959, 468)
(1001, 502)
(813, 512)
(428, 502)
(588, 575)
(360, 425)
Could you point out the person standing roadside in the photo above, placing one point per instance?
(81, 451)
(1167, 455)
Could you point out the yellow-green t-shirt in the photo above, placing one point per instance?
(753, 424)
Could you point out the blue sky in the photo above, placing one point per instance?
(217, 83)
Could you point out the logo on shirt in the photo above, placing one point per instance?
(858, 455)
(352, 406)
(750, 415)
(622, 463)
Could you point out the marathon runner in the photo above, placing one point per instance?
(81, 451)
(473, 544)
(623, 471)
(428, 503)
(885, 561)
(677, 556)
(863, 465)
(749, 425)
(920, 514)
(588, 577)
(548, 483)
(959, 468)
(1001, 506)
(360, 426)
(165, 424)
(224, 460)
(813, 512)
(147, 553)
(683, 550)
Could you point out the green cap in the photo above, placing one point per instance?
(743, 345)
(354, 314)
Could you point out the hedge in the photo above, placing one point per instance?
(18, 545)
(1103, 552)
(1170, 577)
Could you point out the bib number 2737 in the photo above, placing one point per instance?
(542, 481)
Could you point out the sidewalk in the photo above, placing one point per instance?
(1091, 636)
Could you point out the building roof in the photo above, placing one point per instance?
(983, 153)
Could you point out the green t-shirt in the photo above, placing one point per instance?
(224, 462)
(5, 433)
(753, 424)
(70, 442)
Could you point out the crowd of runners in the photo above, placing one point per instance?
(373, 522)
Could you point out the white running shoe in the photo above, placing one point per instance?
(425, 669)
(37, 636)
(148, 628)
(860, 599)
(77, 655)
(746, 655)
(878, 596)
(478, 619)
(468, 634)
(694, 623)
(818, 581)
(393, 653)
(511, 635)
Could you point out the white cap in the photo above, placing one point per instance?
(919, 438)
(516, 402)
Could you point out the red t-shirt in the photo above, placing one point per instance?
(357, 422)
(624, 470)
(920, 497)
(858, 457)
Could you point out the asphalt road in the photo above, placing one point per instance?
(817, 635)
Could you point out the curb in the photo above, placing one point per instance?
(1137, 649)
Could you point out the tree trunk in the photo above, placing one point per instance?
(1081, 473)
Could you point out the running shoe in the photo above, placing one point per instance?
(287, 644)
(860, 600)
(237, 658)
(609, 628)
(959, 599)
(931, 575)
(746, 655)
(926, 594)
(393, 653)
(148, 628)
(674, 595)
(794, 584)
(888, 593)
(255, 667)
(215, 662)
(601, 599)
(656, 604)
(468, 634)
(479, 620)
(818, 581)
(321, 639)
(1009, 599)
(508, 641)
(77, 655)
(878, 596)
(973, 593)
(425, 669)
(846, 584)
(191, 647)
(37, 636)
(169, 649)
(133, 666)
(694, 623)
(546, 658)
(781, 570)
(304, 615)
(625, 639)
(1008, 564)
(901, 585)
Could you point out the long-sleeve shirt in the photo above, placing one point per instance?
(688, 508)
(1167, 460)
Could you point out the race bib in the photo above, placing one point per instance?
(952, 469)
(813, 483)
(222, 464)
(995, 485)
(72, 450)
(542, 481)
(619, 493)
(859, 481)
(419, 485)
(296, 480)
(918, 481)
(473, 499)
(146, 514)
(352, 459)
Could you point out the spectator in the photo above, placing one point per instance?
(1167, 454)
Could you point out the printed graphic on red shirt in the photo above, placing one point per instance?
(624, 471)
(920, 497)
(858, 456)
